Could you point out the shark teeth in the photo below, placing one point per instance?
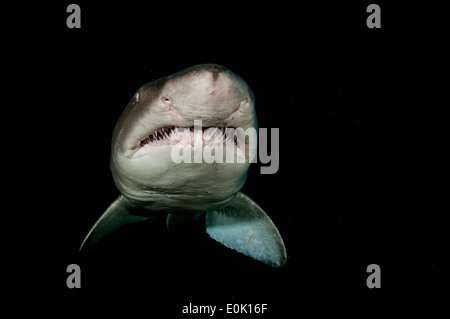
(173, 135)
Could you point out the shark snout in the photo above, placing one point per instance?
(214, 112)
(205, 95)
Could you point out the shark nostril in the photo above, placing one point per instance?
(166, 101)
(244, 101)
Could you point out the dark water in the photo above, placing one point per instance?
(361, 119)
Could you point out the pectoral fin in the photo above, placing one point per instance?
(245, 227)
(119, 213)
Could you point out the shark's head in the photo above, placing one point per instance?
(158, 124)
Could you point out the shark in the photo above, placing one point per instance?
(160, 121)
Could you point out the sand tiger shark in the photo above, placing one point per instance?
(156, 120)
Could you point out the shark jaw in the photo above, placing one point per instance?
(213, 142)
(170, 136)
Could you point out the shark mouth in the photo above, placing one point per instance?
(212, 136)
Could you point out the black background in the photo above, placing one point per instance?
(361, 119)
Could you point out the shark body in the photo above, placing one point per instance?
(161, 117)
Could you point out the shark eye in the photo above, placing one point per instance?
(166, 101)
(136, 97)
